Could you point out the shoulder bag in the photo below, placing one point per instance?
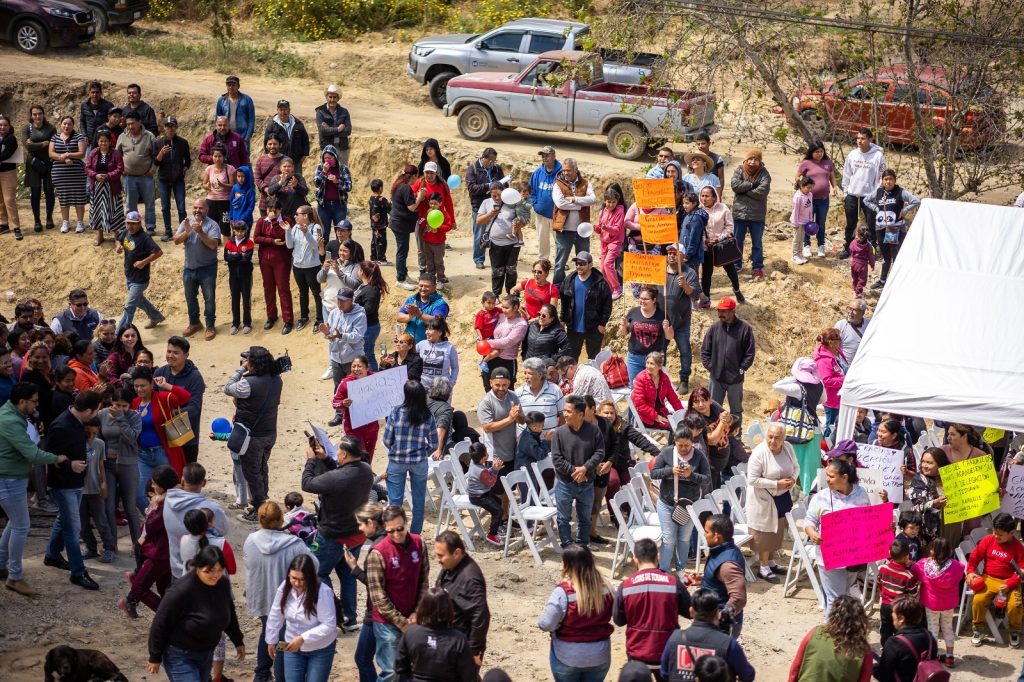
(238, 441)
(680, 514)
(725, 252)
(798, 421)
(485, 234)
(178, 428)
(928, 669)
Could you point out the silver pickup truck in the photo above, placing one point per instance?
(512, 48)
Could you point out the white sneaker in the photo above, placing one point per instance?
(799, 260)
(407, 285)
(329, 374)
(79, 228)
(65, 227)
(807, 252)
(821, 251)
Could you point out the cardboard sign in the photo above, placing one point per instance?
(888, 462)
(873, 482)
(374, 397)
(654, 193)
(972, 489)
(640, 267)
(659, 228)
(1013, 500)
(856, 536)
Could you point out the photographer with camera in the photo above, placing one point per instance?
(724, 571)
(704, 638)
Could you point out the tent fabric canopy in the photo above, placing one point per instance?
(947, 338)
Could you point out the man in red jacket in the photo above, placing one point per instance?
(649, 604)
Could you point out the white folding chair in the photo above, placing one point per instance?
(739, 520)
(978, 534)
(628, 533)
(754, 434)
(740, 471)
(454, 501)
(530, 515)
(641, 494)
(601, 357)
(676, 418)
(737, 486)
(968, 596)
(804, 556)
(708, 504)
(545, 495)
(461, 448)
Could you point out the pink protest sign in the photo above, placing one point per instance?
(856, 536)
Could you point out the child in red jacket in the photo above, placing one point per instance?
(156, 565)
(1001, 581)
(434, 237)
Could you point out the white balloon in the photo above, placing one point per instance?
(510, 196)
(585, 230)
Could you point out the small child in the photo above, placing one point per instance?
(484, 323)
(940, 576)
(238, 250)
(434, 237)
(894, 580)
(380, 214)
(997, 550)
(480, 481)
(910, 533)
(532, 447)
(156, 561)
(94, 495)
(237, 475)
(862, 256)
(524, 209)
(803, 213)
(611, 226)
(243, 199)
(106, 335)
(298, 520)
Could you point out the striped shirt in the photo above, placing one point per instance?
(895, 580)
(549, 402)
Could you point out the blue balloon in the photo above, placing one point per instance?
(454, 181)
(221, 425)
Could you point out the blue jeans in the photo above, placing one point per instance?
(331, 213)
(563, 673)
(204, 278)
(820, 209)
(137, 299)
(734, 392)
(756, 229)
(565, 242)
(309, 666)
(14, 501)
(331, 555)
(149, 459)
(634, 365)
(831, 417)
(67, 528)
(386, 636)
(418, 482)
(177, 190)
(478, 252)
(372, 332)
(365, 648)
(263, 663)
(401, 254)
(675, 539)
(185, 665)
(566, 492)
(140, 187)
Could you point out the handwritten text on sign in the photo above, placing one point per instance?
(640, 267)
(873, 483)
(654, 193)
(658, 228)
(1013, 501)
(888, 461)
(374, 397)
(856, 536)
(971, 488)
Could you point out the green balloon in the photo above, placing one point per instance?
(435, 218)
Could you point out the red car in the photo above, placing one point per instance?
(844, 106)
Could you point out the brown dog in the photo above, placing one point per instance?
(65, 664)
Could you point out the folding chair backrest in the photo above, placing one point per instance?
(601, 357)
(458, 476)
(642, 494)
(541, 490)
(634, 415)
(799, 511)
(620, 500)
(738, 486)
(978, 534)
(676, 418)
(966, 546)
(510, 482)
(705, 504)
(754, 434)
(461, 448)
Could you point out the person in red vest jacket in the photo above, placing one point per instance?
(397, 577)
(649, 604)
(578, 615)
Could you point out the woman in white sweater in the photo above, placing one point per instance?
(304, 606)
(772, 471)
(719, 229)
(304, 239)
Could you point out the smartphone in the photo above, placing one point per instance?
(312, 440)
(281, 646)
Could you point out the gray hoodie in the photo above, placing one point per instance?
(268, 554)
(176, 504)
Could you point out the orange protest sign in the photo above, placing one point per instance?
(654, 193)
(643, 268)
(656, 228)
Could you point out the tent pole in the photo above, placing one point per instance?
(845, 424)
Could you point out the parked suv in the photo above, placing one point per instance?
(34, 26)
(117, 12)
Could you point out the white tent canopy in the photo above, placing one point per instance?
(947, 338)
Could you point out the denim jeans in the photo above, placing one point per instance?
(565, 242)
(149, 459)
(835, 583)
(756, 229)
(820, 209)
(14, 501)
(204, 278)
(682, 341)
(386, 636)
(264, 665)
(418, 483)
(331, 556)
(137, 299)
(478, 252)
(719, 391)
(140, 187)
(563, 673)
(831, 417)
(566, 492)
(675, 539)
(177, 190)
(369, 341)
(67, 528)
(185, 665)
(309, 666)
(331, 213)
(634, 365)
(401, 255)
(365, 648)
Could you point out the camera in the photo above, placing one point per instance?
(726, 618)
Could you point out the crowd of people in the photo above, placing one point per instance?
(103, 435)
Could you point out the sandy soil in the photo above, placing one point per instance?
(391, 117)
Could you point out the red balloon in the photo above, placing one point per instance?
(978, 584)
(482, 347)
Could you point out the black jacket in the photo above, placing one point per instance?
(434, 655)
(66, 437)
(146, 115)
(297, 147)
(342, 489)
(616, 444)
(467, 588)
(897, 662)
(598, 301)
(550, 342)
(478, 182)
(728, 352)
(327, 126)
(192, 616)
(192, 381)
(92, 118)
(175, 162)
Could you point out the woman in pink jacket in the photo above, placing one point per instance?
(508, 336)
(832, 366)
(611, 227)
(719, 228)
(652, 392)
(940, 577)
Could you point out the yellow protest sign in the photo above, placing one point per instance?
(656, 228)
(971, 488)
(654, 193)
(643, 268)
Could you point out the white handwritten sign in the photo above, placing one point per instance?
(873, 482)
(374, 397)
(887, 461)
(1013, 500)
(324, 440)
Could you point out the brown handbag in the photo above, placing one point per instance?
(178, 428)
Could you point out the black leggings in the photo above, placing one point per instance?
(889, 251)
(306, 279)
(503, 268)
(51, 199)
(490, 503)
(708, 268)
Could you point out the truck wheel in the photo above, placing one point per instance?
(439, 88)
(626, 141)
(30, 37)
(476, 122)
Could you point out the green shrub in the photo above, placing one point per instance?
(319, 20)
